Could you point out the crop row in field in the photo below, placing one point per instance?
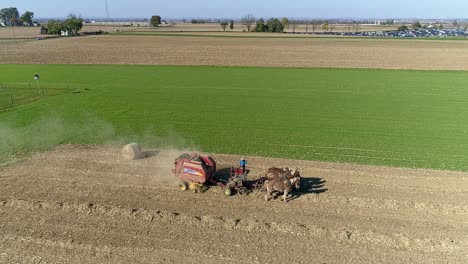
(386, 117)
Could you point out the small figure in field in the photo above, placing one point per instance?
(242, 164)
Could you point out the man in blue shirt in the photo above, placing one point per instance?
(242, 163)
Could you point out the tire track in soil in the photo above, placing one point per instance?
(121, 180)
(84, 253)
(305, 231)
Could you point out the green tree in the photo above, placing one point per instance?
(26, 18)
(274, 25)
(325, 26)
(73, 24)
(417, 25)
(261, 27)
(224, 24)
(403, 28)
(9, 16)
(231, 26)
(285, 22)
(54, 27)
(155, 21)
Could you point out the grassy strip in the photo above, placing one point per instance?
(382, 117)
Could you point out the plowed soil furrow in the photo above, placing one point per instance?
(80, 204)
(273, 52)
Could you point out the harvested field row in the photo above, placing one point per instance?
(395, 241)
(310, 52)
(72, 208)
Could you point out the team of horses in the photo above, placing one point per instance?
(281, 180)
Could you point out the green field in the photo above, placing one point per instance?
(385, 117)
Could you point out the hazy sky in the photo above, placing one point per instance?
(238, 8)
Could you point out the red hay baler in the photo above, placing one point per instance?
(196, 171)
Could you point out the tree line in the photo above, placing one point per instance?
(279, 25)
(417, 25)
(11, 17)
(72, 25)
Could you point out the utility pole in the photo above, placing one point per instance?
(107, 11)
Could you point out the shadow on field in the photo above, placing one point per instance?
(150, 153)
(309, 185)
(312, 185)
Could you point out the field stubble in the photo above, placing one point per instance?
(282, 52)
(83, 204)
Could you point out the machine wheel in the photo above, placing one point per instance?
(242, 191)
(183, 186)
(227, 191)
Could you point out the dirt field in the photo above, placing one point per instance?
(80, 204)
(311, 52)
(19, 32)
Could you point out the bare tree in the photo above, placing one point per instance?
(293, 23)
(314, 26)
(224, 24)
(356, 26)
(285, 22)
(331, 27)
(248, 20)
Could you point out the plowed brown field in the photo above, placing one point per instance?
(287, 52)
(83, 204)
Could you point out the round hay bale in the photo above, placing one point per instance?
(132, 151)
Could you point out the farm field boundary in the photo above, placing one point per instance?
(378, 117)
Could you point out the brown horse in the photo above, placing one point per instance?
(296, 182)
(293, 176)
(280, 184)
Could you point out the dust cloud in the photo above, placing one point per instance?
(20, 140)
